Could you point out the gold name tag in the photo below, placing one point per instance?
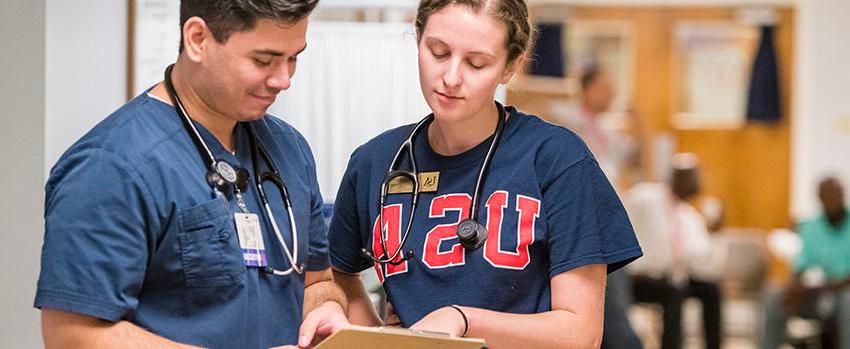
(428, 182)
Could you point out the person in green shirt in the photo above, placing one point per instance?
(820, 287)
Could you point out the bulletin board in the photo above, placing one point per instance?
(153, 40)
(711, 68)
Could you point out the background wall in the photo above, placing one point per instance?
(338, 108)
(746, 167)
(86, 69)
(22, 29)
(821, 131)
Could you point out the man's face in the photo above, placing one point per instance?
(831, 196)
(600, 93)
(241, 78)
(686, 182)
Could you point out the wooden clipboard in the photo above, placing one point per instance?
(393, 338)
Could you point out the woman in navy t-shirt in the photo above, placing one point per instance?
(549, 224)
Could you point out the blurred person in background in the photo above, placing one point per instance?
(612, 151)
(819, 287)
(679, 262)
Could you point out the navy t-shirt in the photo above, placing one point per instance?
(547, 206)
(134, 232)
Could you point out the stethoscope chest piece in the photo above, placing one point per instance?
(221, 175)
(471, 234)
(225, 171)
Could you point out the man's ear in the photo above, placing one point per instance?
(196, 38)
(512, 68)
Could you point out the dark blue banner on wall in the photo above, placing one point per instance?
(547, 57)
(763, 103)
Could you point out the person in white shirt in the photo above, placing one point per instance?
(677, 263)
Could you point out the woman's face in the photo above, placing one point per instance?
(462, 59)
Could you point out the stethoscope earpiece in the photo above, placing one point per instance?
(382, 260)
(366, 254)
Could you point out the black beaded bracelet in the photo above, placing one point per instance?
(465, 320)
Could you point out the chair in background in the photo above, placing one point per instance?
(743, 280)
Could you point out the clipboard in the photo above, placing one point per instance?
(394, 337)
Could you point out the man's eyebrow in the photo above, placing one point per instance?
(276, 53)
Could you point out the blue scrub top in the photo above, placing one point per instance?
(134, 232)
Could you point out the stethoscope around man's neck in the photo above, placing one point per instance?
(223, 178)
(470, 233)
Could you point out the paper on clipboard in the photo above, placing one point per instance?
(391, 337)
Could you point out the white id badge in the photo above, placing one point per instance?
(251, 239)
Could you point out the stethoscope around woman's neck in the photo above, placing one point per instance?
(470, 233)
(223, 177)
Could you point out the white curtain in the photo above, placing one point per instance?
(354, 81)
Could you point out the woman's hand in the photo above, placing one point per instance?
(391, 320)
(446, 320)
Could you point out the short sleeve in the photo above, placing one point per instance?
(344, 233)
(318, 250)
(586, 221)
(804, 259)
(99, 223)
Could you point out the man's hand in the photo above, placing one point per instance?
(323, 321)
(797, 294)
(445, 320)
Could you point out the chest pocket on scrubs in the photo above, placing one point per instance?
(209, 247)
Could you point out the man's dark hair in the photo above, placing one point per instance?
(225, 17)
(589, 75)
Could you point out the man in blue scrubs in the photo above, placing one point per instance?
(141, 251)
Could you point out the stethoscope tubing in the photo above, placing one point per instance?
(203, 148)
(278, 182)
(187, 122)
(413, 175)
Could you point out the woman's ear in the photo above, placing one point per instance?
(512, 68)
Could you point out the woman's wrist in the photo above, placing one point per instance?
(465, 327)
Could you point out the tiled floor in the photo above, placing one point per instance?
(738, 343)
(740, 321)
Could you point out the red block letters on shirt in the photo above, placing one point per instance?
(392, 227)
(433, 258)
(527, 208)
